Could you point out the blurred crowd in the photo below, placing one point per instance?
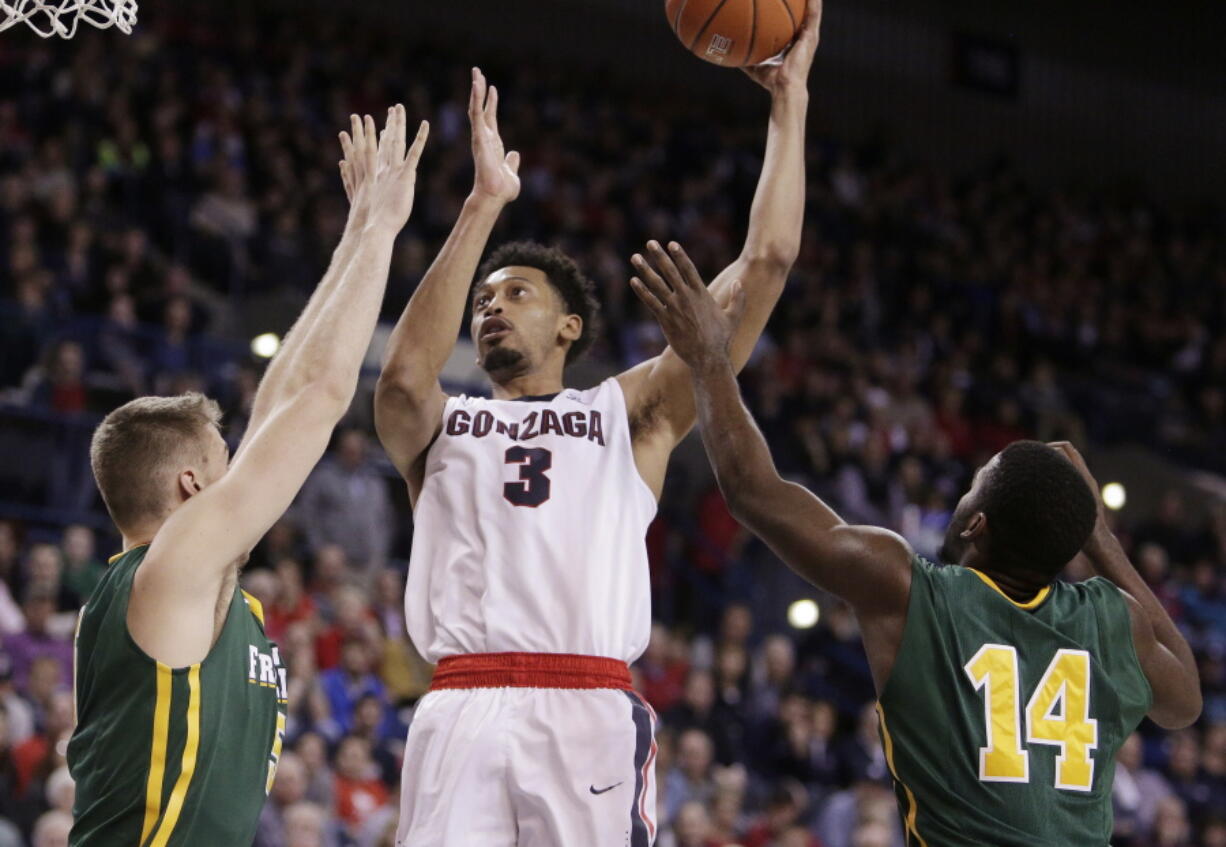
(157, 191)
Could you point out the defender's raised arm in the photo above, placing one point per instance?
(409, 399)
(174, 595)
(1164, 653)
(867, 566)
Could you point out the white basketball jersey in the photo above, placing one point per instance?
(530, 530)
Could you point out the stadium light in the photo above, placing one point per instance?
(1114, 496)
(803, 614)
(266, 346)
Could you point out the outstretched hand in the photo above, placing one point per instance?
(379, 175)
(793, 71)
(497, 172)
(697, 327)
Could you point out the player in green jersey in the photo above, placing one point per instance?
(180, 695)
(1003, 693)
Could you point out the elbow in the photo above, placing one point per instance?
(1180, 715)
(776, 257)
(744, 496)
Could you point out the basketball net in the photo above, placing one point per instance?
(61, 17)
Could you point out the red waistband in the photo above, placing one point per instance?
(530, 670)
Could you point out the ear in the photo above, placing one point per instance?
(976, 528)
(571, 329)
(189, 484)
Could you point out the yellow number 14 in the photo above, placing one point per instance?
(1058, 713)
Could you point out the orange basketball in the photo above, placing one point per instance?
(735, 33)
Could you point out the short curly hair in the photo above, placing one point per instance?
(1040, 510)
(577, 291)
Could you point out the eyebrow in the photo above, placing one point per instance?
(482, 287)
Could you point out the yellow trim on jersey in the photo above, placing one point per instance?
(157, 756)
(122, 553)
(76, 637)
(188, 766)
(912, 806)
(1032, 603)
(257, 608)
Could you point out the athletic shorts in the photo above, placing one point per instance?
(529, 750)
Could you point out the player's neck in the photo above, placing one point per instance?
(138, 536)
(528, 385)
(1023, 589)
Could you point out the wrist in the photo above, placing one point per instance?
(712, 364)
(790, 95)
(481, 201)
(376, 227)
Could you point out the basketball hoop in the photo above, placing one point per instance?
(61, 17)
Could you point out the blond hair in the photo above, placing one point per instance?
(139, 449)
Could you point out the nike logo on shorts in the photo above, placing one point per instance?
(596, 790)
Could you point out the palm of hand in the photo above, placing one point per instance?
(495, 176)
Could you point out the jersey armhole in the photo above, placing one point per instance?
(1132, 645)
(638, 475)
(918, 566)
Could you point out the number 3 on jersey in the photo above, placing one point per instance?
(1058, 713)
(533, 486)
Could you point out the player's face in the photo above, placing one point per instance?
(955, 545)
(518, 321)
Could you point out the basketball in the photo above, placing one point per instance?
(735, 33)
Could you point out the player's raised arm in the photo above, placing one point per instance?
(171, 613)
(409, 399)
(771, 245)
(1165, 656)
(867, 566)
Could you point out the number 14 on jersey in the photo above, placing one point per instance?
(1058, 713)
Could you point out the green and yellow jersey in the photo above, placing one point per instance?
(1001, 720)
(172, 756)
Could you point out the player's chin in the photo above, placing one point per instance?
(501, 359)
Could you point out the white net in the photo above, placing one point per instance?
(61, 17)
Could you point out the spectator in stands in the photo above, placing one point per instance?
(52, 830)
(61, 386)
(18, 713)
(359, 792)
(82, 569)
(346, 502)
(288, 789)
(691, 826)
(690, 780)
(663, 670)
(1135, 795)
(292, 604)
(37, 640)
(353, 679)
(306, 825)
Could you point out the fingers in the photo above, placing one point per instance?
(357, 160)
(346, 180)
(399, 119)
(491, 110)
(652, 280)
(689, 273)
(665, 265)
(512, 161)
(419, 144)
(813, 20)
(476, 98)
(649, 300)
(370, 145)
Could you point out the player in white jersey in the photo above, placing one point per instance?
(528, 583)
